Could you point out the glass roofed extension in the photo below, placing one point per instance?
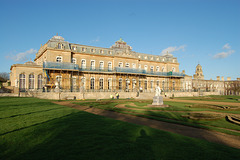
(71, 66)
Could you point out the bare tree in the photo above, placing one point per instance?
(4, 75)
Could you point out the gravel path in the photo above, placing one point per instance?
(211, 136)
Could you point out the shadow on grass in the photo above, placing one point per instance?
(83, 135)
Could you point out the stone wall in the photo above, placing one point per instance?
(103, 95)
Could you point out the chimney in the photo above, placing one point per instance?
(238, 79)
(218, 78)
(183, 71)
(222, 78)
(228, 78)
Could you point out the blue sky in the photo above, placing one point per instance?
(194, 31)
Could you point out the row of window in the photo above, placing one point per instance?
(120, 64)
(31, 79)
(127, 84)
(93, 50)
(83, 49)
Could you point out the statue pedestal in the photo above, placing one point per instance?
(157, 101)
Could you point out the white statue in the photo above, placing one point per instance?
(57, 85)
(157, 91)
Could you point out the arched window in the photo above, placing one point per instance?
(22, 82)
(173, 69)
(145, 67)
(92, 67)
(151, 68)
(31, 81)
(120, 64)
(59, 46)
(101, 65)
(109, 66)
(74, 60)
(40, 81)
(58, 59)
(83, 64)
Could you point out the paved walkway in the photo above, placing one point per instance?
(211, 136)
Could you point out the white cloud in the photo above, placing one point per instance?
(172, 49)
(227, 46)
(22, 56)
(223, 54)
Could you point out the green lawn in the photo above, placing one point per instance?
(38, 129)
(229, 98)
(169, 114)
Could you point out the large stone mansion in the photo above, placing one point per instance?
(81, 70)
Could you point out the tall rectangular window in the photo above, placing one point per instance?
(139, 66)
(139, 83)
(101, 65)
(151, 84)
(100, 83)
(109, 84)
(145, 67)
(145, 85)
(163, 85)
(92, 67)
(74, 82)
(22, 82)
(31, 81)
(134, 82)
(120, 84)
(40, 81)
(92, 85)
(158, 84)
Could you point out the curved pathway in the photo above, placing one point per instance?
(203, 102)
(212, 136)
